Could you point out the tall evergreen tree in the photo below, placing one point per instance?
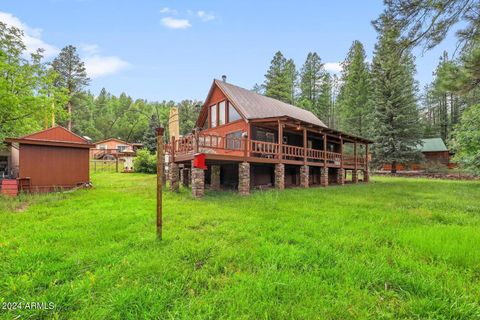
(72, 76)
(397, 125)
(150, 137)
(354, 98)
(280, 79)
(325, 102)
(311, 78)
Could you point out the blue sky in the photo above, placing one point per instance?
(172, 49)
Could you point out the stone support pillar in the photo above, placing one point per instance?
(304, 176)
(244, 178)
(280, 176)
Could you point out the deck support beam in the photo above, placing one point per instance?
(280, 176)
(215, 177)
(174, 177)
(304, 176)
(244, 178)
(366, 174)
(198, 182)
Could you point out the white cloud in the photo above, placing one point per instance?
(89, 48)
(205, 16)
(334, 67)
(173, 23)
(168, 10)
(98, 65)
(32, 36)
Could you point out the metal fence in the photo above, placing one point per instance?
(104, 165)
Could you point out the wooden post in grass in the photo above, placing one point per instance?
(160, 160)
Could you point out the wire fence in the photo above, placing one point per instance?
(104, 166)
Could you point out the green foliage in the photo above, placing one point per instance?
(354, 100)
(428, 22)
(188, 111)
(466, 142)
(28, 98)
(281, 79)
(150, 137)
(397, 127)
(145, 162)
(393, 249)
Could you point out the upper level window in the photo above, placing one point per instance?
(221, 113)
(121, 148)
(232, 113)
(102, 147)
(213, 116)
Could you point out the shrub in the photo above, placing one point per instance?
(145, 162)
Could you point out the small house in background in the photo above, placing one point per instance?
(434, 151)
(116, 149)
(51, 159)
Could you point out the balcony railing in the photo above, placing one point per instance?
(241, 147)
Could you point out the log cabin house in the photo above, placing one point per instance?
(251, 141)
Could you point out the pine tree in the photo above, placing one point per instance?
(354, 98)
(280, 79)
(311, 77)
(397, 125)
(150, 137)
(324, 102)
(72, 76)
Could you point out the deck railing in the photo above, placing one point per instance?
(206, 143)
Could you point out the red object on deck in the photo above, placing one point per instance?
(10, 187)
(199, 161)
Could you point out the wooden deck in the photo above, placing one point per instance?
(220, 148)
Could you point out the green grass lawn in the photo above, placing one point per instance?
(394, 248)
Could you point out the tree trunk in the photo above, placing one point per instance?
(69, 111)
(394, 167)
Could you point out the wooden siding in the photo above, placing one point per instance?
(48, 167)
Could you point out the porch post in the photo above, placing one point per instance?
(304, 146)
(215, 177)
(355, 172)
(324, 170)
(341, 171)
(244, 178)
(280, 141)
(366, 174)
(198, 182)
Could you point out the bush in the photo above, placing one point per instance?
(145, 162)
(466, 142)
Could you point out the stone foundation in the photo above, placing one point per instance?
(304, 176)
(280, 176)
(244, 178)
(198, 182)
(341, 176)
(174, 177)
(324, 177)
(354, 176)
(215, 177)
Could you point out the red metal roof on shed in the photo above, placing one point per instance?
(57, 133)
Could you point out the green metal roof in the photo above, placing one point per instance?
(432, 145)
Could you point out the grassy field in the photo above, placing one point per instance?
(395, 248)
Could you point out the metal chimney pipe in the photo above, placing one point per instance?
(224, 78)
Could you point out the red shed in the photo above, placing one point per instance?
(51, 159)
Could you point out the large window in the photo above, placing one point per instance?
(221, 113)
(233, 140)
(264, 135)
(213, 116)
(232, 113)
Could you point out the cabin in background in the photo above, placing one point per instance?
(116, 149)
(51, 159)
(435, 153)
(248, 140)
